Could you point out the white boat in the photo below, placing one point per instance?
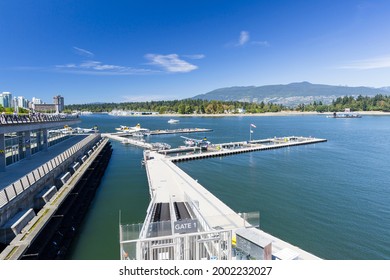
(173, 121)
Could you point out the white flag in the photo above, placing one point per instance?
(251, 131)
(253, 125)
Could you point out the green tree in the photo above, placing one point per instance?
(181, 108)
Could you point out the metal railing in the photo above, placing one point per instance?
(34, 118)
(216, 244)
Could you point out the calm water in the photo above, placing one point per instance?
(331, 199)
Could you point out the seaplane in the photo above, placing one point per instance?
(66, 130)
(191, 142)
(85, 130)
(133, 130)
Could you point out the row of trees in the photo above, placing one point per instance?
(186, 106)
(190, 106)
(8, 110)
(361, 103)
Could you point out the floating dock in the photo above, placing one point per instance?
(179, 131)
(225, 149)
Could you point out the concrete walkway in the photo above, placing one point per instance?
(21, 168)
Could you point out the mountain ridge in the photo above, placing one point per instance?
(289, 94)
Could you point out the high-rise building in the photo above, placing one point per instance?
(58, 101)
(36, 100)
(21, 102)
(6, 99)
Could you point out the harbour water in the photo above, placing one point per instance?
(331, 199)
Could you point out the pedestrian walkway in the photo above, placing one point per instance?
(21, 168)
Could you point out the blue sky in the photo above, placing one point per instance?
(116, 51)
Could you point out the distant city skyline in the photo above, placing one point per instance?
(97, 51)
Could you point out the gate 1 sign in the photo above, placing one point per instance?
(185, 226)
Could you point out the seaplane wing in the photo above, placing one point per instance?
(197, 142)
(187, 138)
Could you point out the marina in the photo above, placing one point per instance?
(179, 206)
(307, 195)
(186, 222)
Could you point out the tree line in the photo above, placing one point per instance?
(361, 103)
(190, 106)
(185, 106)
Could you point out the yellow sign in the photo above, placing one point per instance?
(1, 151)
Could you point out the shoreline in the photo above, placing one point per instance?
(276, 114)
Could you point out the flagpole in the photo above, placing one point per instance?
(251, 131)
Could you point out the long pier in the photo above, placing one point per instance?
(185, 221)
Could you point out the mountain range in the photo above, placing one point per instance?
(291, 94)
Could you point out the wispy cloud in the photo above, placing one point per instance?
(83, 52)
(244, 38)
(94, 67)
(171, 63)
(367, 64)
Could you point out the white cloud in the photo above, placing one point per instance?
(244, 38)
(83, 52)
(367, 64)
(171, 62)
